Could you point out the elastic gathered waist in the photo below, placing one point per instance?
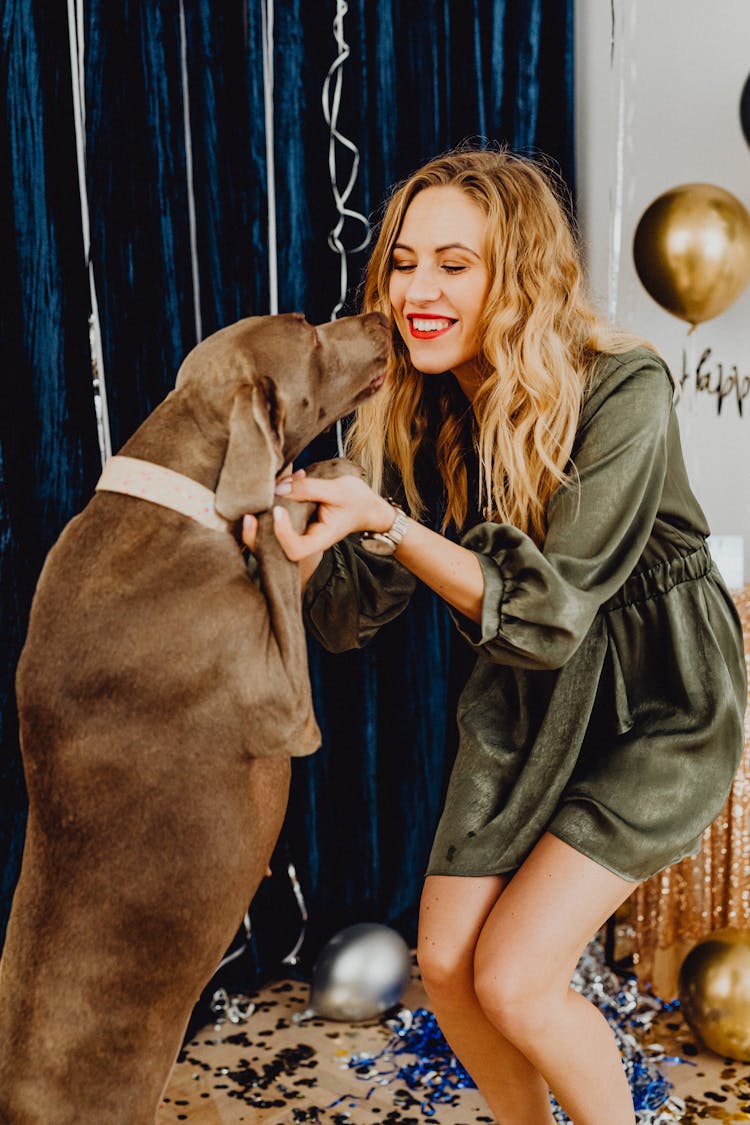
(657, 580)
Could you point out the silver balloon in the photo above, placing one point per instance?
(360, 973)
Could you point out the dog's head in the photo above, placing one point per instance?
(276, 382)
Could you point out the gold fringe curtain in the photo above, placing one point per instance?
(687, 901)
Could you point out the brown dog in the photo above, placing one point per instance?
(161, 694)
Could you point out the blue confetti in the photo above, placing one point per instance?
(435, 1074)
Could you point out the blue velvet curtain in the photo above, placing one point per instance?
(420, 78)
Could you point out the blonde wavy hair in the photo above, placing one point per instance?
(539, 339)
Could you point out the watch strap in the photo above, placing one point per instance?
(386, 542)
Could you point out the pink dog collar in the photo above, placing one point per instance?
(162, 486)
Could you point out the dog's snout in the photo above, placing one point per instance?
(380, 324)
(373, 324)
(381, 319)
(380, 329)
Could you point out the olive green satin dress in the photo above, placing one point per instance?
(607, 699)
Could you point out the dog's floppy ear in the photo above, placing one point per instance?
(254, 451)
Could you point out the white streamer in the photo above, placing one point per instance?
(331, 107)
(624, 68)
(78, 78)
(267, 14)
(617, 63)
(189, 178)
(247, 926)
(292, 958)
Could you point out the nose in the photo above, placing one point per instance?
(423, 287)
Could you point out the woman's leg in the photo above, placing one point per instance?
(453, 913)
(524, 960)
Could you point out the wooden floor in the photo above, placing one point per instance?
(268, 1069)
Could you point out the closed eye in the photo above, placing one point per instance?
(407, 267)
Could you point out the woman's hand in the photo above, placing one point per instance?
(341, 510)
(345, 504)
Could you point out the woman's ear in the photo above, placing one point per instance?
(254, 451)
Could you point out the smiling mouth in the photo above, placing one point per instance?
(429, 327)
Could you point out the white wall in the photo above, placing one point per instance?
(668, 102)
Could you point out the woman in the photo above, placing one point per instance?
(602, 724)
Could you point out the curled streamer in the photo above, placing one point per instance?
(291, 957)
(331, 98)
(332, 86)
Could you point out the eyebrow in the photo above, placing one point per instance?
(439, 249)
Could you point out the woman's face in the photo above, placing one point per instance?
(439, 282)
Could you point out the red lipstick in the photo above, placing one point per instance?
(438, 326)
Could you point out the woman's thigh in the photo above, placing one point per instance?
(534, 935)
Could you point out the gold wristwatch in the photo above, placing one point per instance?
(386, 542)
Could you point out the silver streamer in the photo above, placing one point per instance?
(78, 77)
(623, 68)
(292, 958)
(267, 16)
(189, 178)
(247, 927)
(236, 1009)
(331, 98)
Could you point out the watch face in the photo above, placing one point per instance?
(378, 544)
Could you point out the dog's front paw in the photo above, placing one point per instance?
(301, 512)
(335, 467)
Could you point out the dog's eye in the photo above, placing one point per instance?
(305, 403)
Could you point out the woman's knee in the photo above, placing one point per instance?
(452, 913)
(513, 994)
(446, 969)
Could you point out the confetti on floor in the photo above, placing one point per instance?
(266, 1069)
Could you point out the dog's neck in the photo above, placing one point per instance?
(159, 485)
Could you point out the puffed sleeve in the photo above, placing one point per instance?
(352, 593)
(539, 604)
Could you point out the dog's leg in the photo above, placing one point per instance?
(96, 990)
(280, 577)
(280, 582)
(286, 648)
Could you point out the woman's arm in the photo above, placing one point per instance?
(347, 505)
(529, 606)
(451, 571)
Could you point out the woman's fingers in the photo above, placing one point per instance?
(345, 504)
(315, 539)
(319, 489)
(287, 479)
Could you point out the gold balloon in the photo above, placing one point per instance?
(715, 992)
(692, 250)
